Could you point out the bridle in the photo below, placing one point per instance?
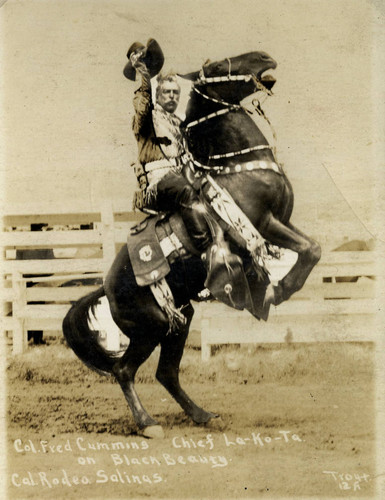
(228, 107)
(203, 80)
(230, 78)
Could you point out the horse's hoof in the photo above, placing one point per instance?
(153, 432)
(211, 415)
(205, 418)
(216, 424)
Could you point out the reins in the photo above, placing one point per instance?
(229, 107)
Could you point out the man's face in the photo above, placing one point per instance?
(168, 96)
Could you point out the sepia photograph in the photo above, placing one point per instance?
(192, 204)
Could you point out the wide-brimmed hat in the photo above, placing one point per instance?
(153, 59)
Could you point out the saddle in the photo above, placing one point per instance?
(150, 249)
(156, 241)
(147, 258)
(152, 245)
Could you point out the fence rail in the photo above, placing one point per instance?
(337, 303)
(34, 299)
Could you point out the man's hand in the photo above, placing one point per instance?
(137, 62)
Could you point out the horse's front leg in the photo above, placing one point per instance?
(168, 371)
(308, 250)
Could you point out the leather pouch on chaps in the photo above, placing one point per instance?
(148, 261)
(226, 278)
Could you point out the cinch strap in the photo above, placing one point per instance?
(240, 167)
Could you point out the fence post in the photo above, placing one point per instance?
(20, 338)
(109, 253)
(108, 235)
(205, 346)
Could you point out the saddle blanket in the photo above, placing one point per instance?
(147, 254)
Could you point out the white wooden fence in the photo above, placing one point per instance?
(328, 308)
(334, 310)
(79, 254)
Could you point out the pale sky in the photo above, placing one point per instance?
(66, 120)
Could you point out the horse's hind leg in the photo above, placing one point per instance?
(308, 250)
(168, 371)
(125, 369)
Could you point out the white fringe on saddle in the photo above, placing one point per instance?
(163, 296)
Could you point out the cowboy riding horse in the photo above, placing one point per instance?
(248, 201)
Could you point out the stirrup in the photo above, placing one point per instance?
(226, 278)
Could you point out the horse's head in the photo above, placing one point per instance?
(236, 77)
(217, 127)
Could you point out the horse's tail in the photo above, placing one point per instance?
(82, 340)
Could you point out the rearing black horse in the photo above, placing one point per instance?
(224, 140)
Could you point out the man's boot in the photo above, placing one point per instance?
(196, 225)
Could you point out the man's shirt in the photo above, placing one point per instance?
(148, 120)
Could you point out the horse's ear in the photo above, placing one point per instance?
(190, 76)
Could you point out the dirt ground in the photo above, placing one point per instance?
(294, 421)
